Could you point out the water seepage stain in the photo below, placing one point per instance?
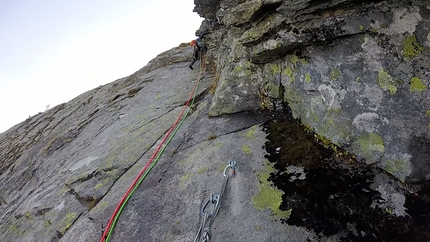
(336, 196)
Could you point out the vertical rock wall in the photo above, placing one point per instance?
(356, 72)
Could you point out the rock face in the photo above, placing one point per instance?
(356, 72)
(64, 171)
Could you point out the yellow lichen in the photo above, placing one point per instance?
(268, 196)
(250, 133)
(257, 228)
(288, 71)
(417, 84)
(186, 176)
(370, 143)
(202, 170)
(411, 47)
(294, 59)
(308, 77)
(334, 74)
(386, 82)
(246, 149)
(67, 222)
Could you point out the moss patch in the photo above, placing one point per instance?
(417, 84)
(411, 47)
(386, 82)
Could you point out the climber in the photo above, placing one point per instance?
(198, 46)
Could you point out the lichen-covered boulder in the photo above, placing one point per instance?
(356, 72)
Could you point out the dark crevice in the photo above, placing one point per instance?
(88, 202)
(133, 91)
(265, 10)
(43, 211)
(92, 175)
(337, 195)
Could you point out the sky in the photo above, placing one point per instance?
(53, 50)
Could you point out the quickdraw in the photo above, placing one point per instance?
(205, 230)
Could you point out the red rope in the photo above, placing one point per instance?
(153, 156)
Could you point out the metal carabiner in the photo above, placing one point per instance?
(213, 199)
(232, 165)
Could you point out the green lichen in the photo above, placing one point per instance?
(411, 47)
(417, 84)
(257, 227)
(251, 35)
(250, 133)
(246, 149)
(314, 116)
(14, 227)
(275, 69)
(268, 196)
(334, 110)
(101, 184)
(112, 172)
(397, 168)
(28, 216)
(308, 77)
(428, 113)
(288, 71)
(67, 222)
(334, 74)
(303, 61)
(101, 205)
(46, 223)
(202, 170)
(389, 211)
(186, 176)
(243, 69)
(361, 27)
(386, 82)
(370, 143)
(383, 26)
(294, 59)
